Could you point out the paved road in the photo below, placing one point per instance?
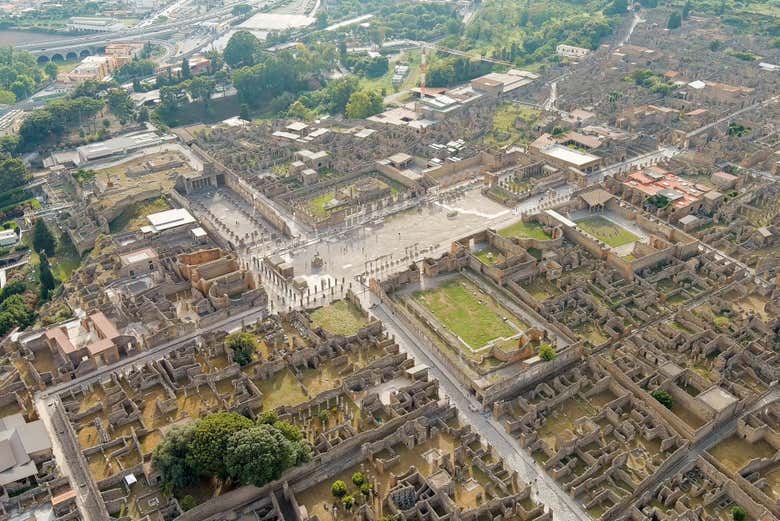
(698, 448)
(154, 353)
(65, 444)
(546, 489)
(650, 158)
(693, 133)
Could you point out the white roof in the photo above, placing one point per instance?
(560, 218)
(575, 157)
(698, 84)
(169, 219)
(7, 234)
(199, 232)
(297, 126)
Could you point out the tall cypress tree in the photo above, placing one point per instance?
(43, 240)
(46, 276)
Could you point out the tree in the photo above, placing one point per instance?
(43, 240)
(338, 489)
(547, 352)
(13, 172)
(209, 442)
(288, 430)
(323, 416)
(686, 11)
(738, 513)
(217, 62)
(244, 345)
(663, 397)
(143, 115)
(7, 97)
(721, 322)
(241, 9)
(616, 7)
(348, 502)
(14, 312)
(268, 418)
(358, 478)
(240, 49)
(363, 104)
(46, 277)
(343, 50)
(201, 89)
(120, 104)
(51, 70)
(338, 92)
(243, 112)
(258, 455)
(675, 21)
(187, 503)
(185, 69)
(170, 456)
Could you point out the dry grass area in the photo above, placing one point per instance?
(339, 318)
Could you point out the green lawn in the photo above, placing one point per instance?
(531, 230)
(607, 231)
(339, 318)
(457, 308)
(412, 59)
(316, 205)
(489, 256)
(505, 129)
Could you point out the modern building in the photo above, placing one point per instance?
(23, 446)
(8, 238)
(98, 24)
(92, 68)
(123, 53)
(571, 51)
(169, 220)
(565, 157)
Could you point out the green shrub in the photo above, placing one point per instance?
(663, 397)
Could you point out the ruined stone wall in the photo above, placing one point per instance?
(300, 478)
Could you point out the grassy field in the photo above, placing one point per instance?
(531, 230)
(471, 317)
(412, 59)
(607, 231)
(339, 318)
(134, 216)
(505, 129)
(317, 204)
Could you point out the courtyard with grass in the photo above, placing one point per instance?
(489, 256)
(512, 124)
(339, 318)
(607, 231)
(530, 230)
(467, 312)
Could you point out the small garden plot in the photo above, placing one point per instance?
(607, 231)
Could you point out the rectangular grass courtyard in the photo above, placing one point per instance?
(467, 312)
(530, 230)
(607, 231)
(339, 318)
